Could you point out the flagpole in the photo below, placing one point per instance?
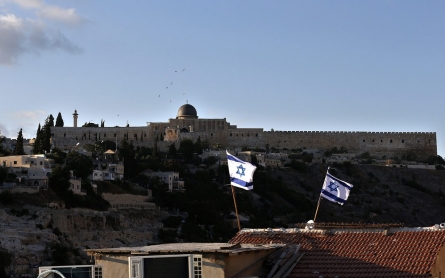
(319, 198)
(318, 204)
(236, 208)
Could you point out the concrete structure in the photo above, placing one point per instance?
(26, 161)
(187, 125)
(76, 186)
(75, 116)
(129, 201)
(31, 170)
(170, 178)
(216, 260)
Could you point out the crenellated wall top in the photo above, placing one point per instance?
(352, 132)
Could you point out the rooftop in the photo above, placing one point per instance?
(186, 248)
(356, 251)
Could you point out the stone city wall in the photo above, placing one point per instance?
(422, 144)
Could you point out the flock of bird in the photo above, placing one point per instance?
(168, 85)
(171, 83)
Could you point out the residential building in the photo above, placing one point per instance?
(23, 162)
(194, 260)
(170, 178)
(76, 186)
(358, 250)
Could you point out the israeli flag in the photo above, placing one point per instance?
(335, 190)
(241, 172)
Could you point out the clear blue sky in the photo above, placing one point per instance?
(286, 65)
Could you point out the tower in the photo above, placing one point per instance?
(75, 118)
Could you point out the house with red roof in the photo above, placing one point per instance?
(352, 250)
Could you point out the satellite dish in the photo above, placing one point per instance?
(310, 224)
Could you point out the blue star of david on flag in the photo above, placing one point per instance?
(241, 172)
(335, 190)
(332, 186)
(240, 168)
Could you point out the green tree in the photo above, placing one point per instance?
(81, 165)
(37, 148)
(58, 155)
(59, 120)
(186, 148)
(127, 154)
(19, 150)
(45, 135)
(51, 120)
(90, 125)
(60, 180)
(172, 149)
(3, 151)
(198, 146)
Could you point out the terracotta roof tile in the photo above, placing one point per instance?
(354, 253)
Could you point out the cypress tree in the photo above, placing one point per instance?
(51, 120)
(59, 120)
(46, 136)
(19, 150)
(38, 142)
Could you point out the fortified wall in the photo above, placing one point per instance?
(186, 125)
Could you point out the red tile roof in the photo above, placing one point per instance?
(394, 252)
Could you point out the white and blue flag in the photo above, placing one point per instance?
(335, 190)
(241, 172)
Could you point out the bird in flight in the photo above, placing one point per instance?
(166, 87)
(183, 69)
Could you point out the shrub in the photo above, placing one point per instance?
(6, 197)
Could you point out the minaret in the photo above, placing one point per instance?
(75, 118)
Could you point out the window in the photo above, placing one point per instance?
(15, 162)
(230, 134)
(390, 140)
(372, 140)
(41, 162)
(64, 135)
(364, 140)
(115, 135)
(256, 135)
(211, 134)
(403, 141)
(98, 272)
(105, 135)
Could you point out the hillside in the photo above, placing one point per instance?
(414, 197)
(31, 232)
